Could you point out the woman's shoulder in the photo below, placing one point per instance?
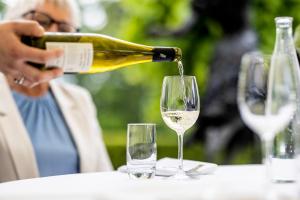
(74, 95)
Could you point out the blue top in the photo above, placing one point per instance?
(53, 145)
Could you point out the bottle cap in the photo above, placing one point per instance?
(165, 54)
(283, 22)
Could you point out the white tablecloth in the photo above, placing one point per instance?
(240, 182)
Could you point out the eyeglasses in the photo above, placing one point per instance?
(47, 21)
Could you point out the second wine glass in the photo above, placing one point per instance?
(180, 107)
(266, 98)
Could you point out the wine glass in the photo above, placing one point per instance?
(266, 98)
(179, 106)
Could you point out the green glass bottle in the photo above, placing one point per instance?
(96, 53)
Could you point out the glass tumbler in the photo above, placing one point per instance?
(141, 152)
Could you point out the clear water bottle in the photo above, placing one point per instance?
(283, 163)
(297, 143)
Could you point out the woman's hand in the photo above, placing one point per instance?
(14, 55)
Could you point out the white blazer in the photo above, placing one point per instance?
(17, 158)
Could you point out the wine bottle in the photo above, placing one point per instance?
(94, 53)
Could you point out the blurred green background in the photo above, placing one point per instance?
(132, 94)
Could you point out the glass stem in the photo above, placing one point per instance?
(267, 150)
(180, 152)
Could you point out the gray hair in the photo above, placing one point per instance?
(20, 7)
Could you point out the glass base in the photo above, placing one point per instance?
(180, 175)
(141, 175)
(283, 181)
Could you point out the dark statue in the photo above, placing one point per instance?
(220, 125)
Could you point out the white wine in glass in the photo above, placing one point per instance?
(180, 107)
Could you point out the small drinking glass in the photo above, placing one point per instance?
(141, 150)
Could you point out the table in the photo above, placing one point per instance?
(235, 182)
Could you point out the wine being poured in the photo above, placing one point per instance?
(181, 73)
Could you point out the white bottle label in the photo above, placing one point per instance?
(78, 57)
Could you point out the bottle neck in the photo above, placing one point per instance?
(284, 40)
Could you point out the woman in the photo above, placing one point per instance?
(52, 128)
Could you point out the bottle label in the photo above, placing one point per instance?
(78, 57)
